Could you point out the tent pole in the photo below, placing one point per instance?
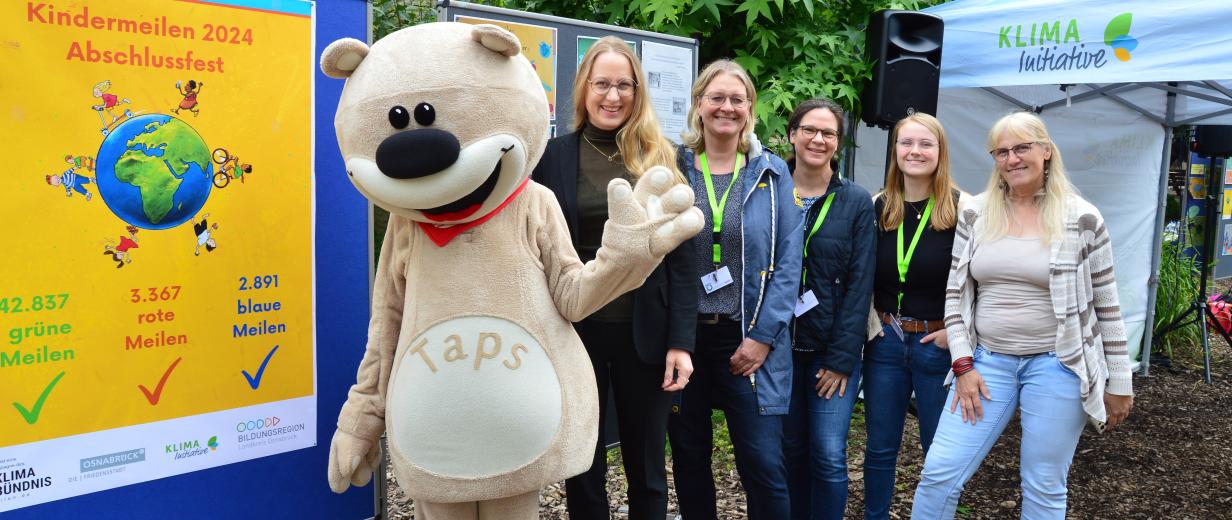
(1157, 243)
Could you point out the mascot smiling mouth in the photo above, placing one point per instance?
(468, 205)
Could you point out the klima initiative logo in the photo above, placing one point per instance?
(213, 443)
(1116, 35)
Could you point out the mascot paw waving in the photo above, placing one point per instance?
(472, 368)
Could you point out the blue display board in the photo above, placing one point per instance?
(291, 484)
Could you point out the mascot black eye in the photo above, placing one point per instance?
(399, 117)
(425, 115)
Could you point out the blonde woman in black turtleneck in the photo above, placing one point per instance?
(640, 344)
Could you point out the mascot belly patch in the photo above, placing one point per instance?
(473, 396)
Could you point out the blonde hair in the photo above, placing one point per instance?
(641, 143)
(693, 137)
(945, 209)
(1057, 188)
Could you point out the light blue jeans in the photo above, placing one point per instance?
(1052, 419)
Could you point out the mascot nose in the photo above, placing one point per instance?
(417, 153)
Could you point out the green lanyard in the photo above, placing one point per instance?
(716, 208)
(821, 217)
(905, 260)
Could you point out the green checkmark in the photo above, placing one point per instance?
(32, 416)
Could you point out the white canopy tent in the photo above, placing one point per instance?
(1111, 80)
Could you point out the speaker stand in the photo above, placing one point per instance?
(885, 176)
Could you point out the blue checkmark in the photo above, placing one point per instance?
(255, 382)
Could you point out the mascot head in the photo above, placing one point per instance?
(440, 122)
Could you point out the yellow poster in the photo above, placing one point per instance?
(158, 286)
(538, 46)
(1197, 181)
(1227, 204)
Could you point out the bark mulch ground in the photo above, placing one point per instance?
(1172, 459)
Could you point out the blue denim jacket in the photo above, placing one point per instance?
(773, 246)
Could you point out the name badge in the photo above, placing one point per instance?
(716, 280)
(807, 301)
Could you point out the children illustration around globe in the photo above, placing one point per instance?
(109, 104)
(189, 91)
(229, 167)
(73, 181)
(121, 250)
(152, 171)
(205, 234)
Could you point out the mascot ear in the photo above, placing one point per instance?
(496, 39)
(342, 57)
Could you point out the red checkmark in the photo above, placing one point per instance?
(153, 397)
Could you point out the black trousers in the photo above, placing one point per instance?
(642, 408)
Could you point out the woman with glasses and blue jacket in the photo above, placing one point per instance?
(749, 261)
(839, 236)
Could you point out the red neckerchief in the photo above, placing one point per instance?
(442, 235)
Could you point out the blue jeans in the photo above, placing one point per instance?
(1052, 418)
(893, 369)
(756, 439)
(815, 442)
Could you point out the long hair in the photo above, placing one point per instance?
(793, 124)
(641, 143)
(1057, 188)
(693, 137)
(945, 209)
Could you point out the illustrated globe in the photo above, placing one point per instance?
(153, 171)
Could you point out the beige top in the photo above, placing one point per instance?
(1013, 305)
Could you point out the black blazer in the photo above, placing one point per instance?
(665, 306)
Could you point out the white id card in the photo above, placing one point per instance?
(807, 301)
(898, 328)
(716, 280)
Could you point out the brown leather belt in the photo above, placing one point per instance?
(913, 326)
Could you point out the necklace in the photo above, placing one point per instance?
(918, 212)
(610, 158)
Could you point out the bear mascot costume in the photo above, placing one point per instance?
(472, 367)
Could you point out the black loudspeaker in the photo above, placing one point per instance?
(905, 47)
(1213, 140)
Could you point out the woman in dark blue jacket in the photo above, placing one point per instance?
(750, 267)
(828, 335)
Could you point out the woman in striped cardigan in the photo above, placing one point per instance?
(1032, 279)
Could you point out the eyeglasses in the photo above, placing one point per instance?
(1002, 154)
(809, 132)
(924, 144)
(602, 87)
(716, 100)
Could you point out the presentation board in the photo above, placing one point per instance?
(555, 46)
(163, 271)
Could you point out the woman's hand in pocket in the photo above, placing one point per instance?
(937, 338)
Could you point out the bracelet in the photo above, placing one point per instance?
(963, 365)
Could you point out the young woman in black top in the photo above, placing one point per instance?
(916, 215)
(640, 344)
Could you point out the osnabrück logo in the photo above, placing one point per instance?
(112, 460)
